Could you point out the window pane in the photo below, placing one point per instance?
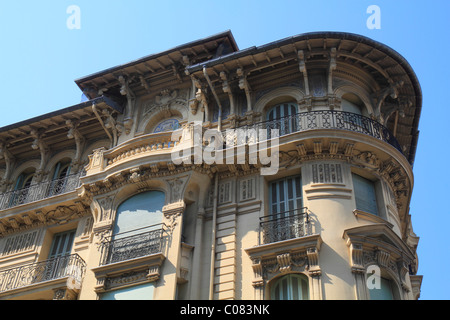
(365, 194)
(295, 288)
(290, 287)
(142, 210)
(384, 292)
(284, 286)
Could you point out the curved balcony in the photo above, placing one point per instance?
(325, 119)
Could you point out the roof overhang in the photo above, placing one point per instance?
(148, 71)
(386, 66)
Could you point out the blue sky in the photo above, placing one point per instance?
(40, 58)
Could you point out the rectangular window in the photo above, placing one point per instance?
(365, 195)
(287, 217)
(286, 196)
(62, 244)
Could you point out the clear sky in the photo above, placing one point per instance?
(41, 56)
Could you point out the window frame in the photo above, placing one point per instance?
(288, 280)
(360, 182)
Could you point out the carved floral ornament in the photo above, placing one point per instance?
(302, 256)
(165, 102)
(58, 215)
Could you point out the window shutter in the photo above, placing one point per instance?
(365, 197)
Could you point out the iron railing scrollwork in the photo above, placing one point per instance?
(57, 268)
(284, 226)
(314, 120)
(119, 248)
(40, 191)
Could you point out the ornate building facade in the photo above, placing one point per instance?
(94, 204)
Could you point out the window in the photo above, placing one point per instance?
(140, 211)
(22, 188)
(284, 116)
(352, 103)
(60, 176)
(167, 125)
(286, 219)
(286, 195)
(59, 257)
(62, 244)
(138, 228)
(24, 181)
(384, 292)
(138, 292)
(290, 287)
(365, 196)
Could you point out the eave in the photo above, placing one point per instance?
(155, 70)
(381, 65)
(17, 138)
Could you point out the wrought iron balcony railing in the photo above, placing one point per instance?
(57, 268)
(118, 248)
(315, 120)
(284, 226)
(40, 191)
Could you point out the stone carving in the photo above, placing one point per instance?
(131, 98)
(176, 187)
(166, 102)
(75, 134)
(9, 160)
(39, 144)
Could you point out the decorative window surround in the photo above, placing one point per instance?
(293, 255)
(378, 244)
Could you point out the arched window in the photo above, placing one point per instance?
(137, 230)
(61, 173)
(62, 169)
(167, 125)
(24, 179)
(290, 287)
(143, 210)
(282, 117)
(352, 103)
(384, 291)
(22, 188)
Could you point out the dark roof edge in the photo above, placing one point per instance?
(156, 55)
(79, 106)
(339, 35)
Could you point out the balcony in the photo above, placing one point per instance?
(39, 191)
(317, 120)
(130, 258)
(44, 274)
(132, 246)
(286, 243)
(284, 226)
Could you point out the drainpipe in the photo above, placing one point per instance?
(215, 198)
(94, 109)
(213, 237)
